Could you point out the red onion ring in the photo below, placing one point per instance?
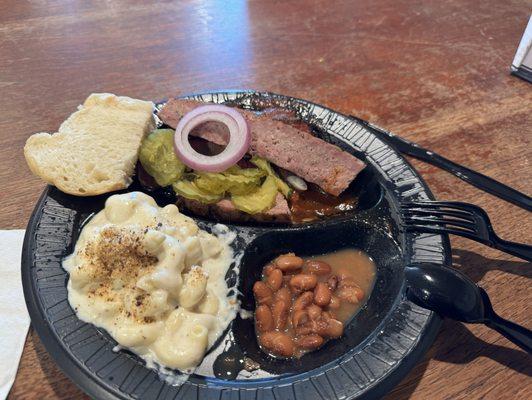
(239, 138)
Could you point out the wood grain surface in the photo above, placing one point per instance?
(436, 72)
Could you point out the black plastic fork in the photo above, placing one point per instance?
(462, 219)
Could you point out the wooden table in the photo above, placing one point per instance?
(435, 72)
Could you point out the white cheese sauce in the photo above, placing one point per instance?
(152, 279)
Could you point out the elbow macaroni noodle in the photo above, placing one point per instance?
(152, 279)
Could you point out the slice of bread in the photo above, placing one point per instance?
(95, 149)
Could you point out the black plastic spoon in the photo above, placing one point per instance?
(452, 294)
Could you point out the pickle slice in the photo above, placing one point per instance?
(266, 167)
(258, 201)
(158, 158)
(191, 191)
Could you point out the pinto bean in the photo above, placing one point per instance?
(305, 329)
(335, 303)
(303, 282)
(263, 294)
(263, 318)
(347, 282)
(317, 267)
(332, 282)
(351, 294)
(275, 279)
(299, 317)
(314, 311)
(309, 342)
(303, 301)
(344, 273)
(327, 314)
(278, 343)
(335, 328)
(280, 310)
(328, 327)
(319, 326)
(289, 262)
(268, 269)
(322, 294)
(284, 295)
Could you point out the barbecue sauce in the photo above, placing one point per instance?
(313, 204)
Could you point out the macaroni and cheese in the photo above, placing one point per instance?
(152, 279)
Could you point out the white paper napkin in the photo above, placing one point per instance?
(14, 318)
(522, 63)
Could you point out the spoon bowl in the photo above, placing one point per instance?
(452, 294)
(445, 290)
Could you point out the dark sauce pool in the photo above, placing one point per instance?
(313, 204)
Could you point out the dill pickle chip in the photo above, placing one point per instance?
(262, 199)
(266, 167)
(234, 180)
(158, 158)
(191, 191)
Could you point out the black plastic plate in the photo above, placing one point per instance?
(380, 345)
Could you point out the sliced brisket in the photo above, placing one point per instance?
(286, 145)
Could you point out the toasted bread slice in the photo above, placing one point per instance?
(95, 149)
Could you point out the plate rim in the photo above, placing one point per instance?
(93, 385)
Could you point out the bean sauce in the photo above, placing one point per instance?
(304, 302)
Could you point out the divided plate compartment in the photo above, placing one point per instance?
(380, 344)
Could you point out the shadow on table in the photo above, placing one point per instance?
(475, 266)
(462, 347)
(456, 344)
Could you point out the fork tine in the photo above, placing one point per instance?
(427, 221)
(447, 204)
(441, 229)
(457, 214)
